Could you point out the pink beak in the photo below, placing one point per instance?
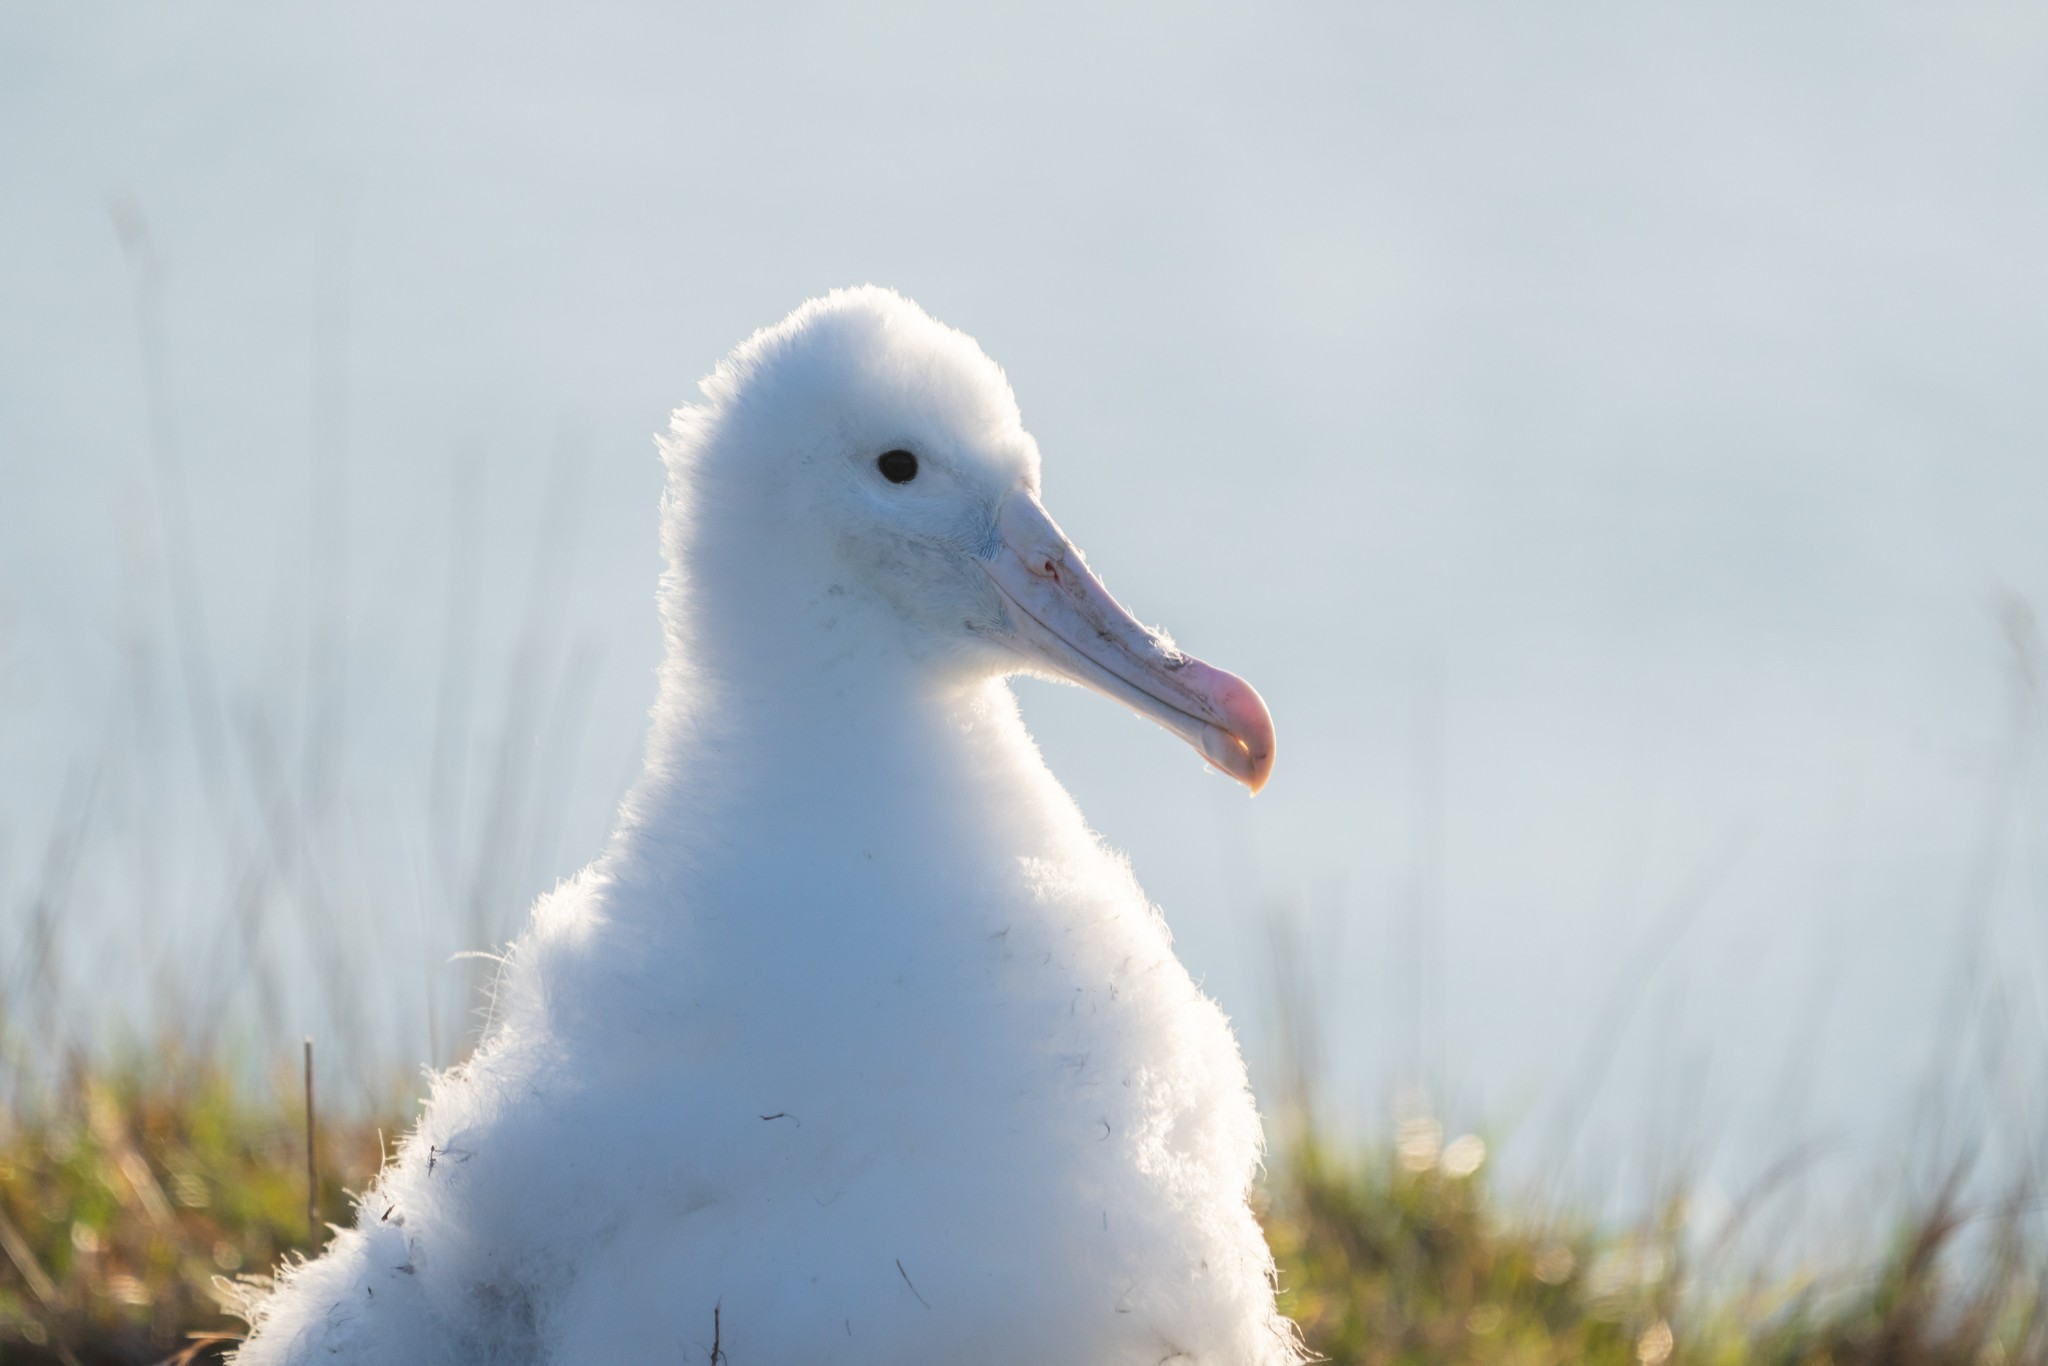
(1064, 618)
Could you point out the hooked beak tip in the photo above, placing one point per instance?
(1247, 758)
(1261, 769)
(1240, 740)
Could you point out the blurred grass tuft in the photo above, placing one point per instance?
(133, 1197)
(1403, 1254)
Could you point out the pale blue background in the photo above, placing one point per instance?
(1612, 437)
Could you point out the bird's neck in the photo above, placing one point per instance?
(803, 837)
(858, 785)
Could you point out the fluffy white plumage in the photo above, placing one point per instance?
(855, 1045)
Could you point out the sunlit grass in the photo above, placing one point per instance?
(1404, 1254)
(137, 1197)
(133, 1197)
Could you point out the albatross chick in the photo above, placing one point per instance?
(854, 1045)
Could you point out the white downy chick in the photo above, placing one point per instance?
(855, 1045)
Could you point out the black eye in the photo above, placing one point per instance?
(898, 467)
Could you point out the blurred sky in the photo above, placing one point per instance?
(1613, 437)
